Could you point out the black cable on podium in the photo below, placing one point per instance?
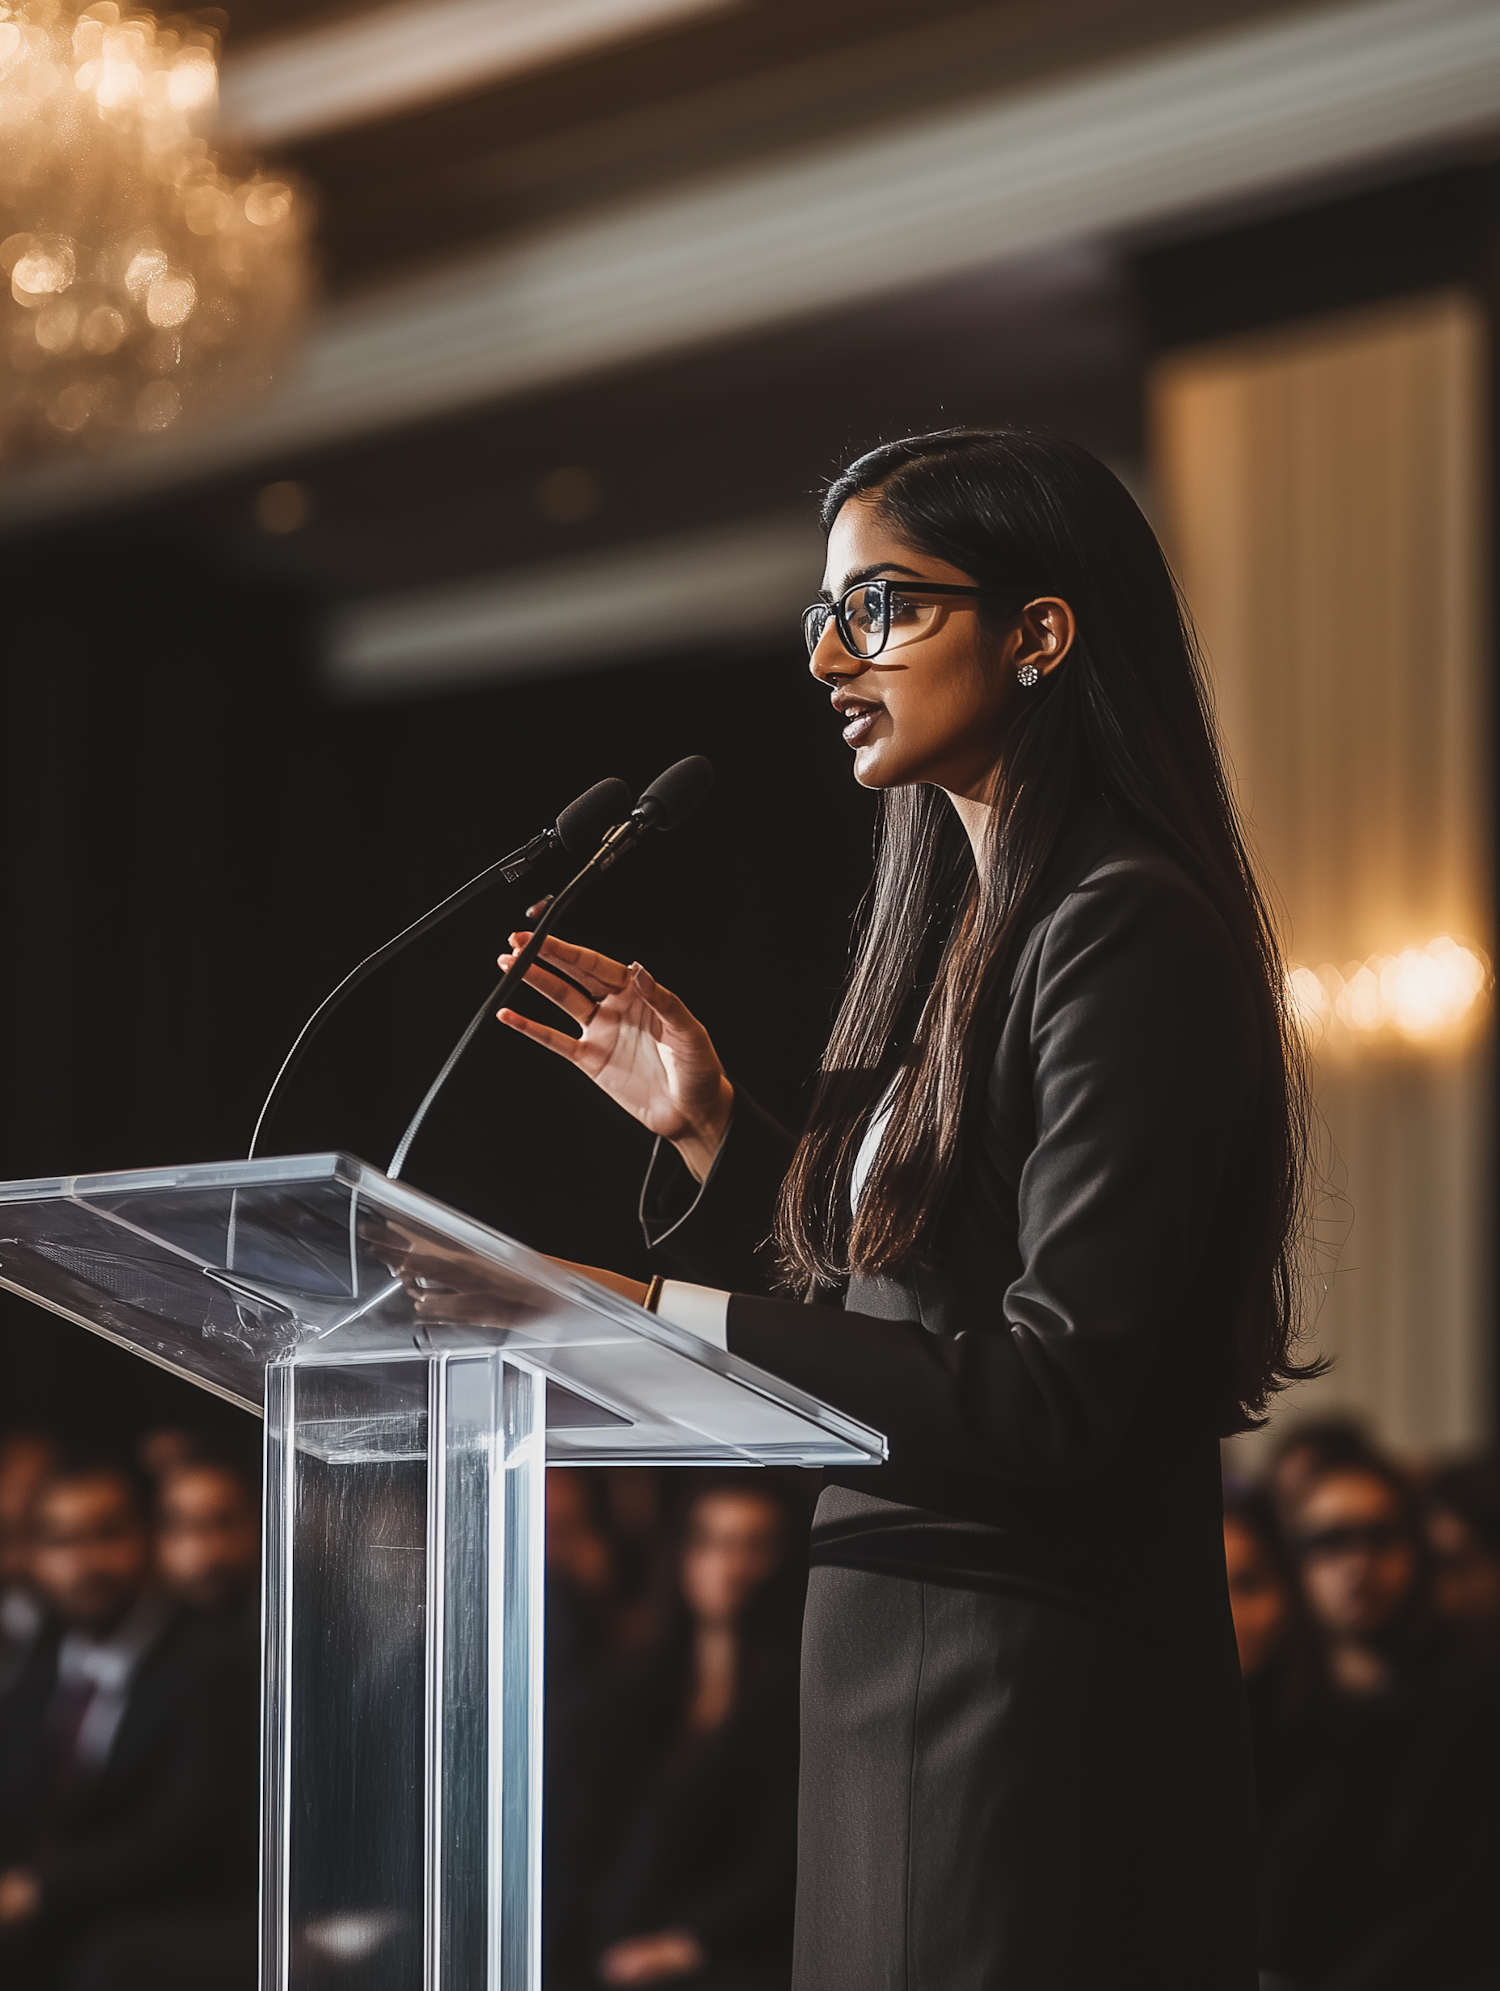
(670, 798)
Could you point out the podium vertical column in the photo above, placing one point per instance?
(403, 1669)
(486, 1512)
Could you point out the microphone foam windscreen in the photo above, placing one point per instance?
(673, 796)
(584, 823)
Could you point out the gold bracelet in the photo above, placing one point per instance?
(653, 1293)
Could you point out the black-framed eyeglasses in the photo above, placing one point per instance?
(876, 615)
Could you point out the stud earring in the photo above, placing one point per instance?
(1027, 675)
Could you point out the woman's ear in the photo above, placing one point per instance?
(1044, 635)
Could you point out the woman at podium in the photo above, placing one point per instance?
(1046, 1210)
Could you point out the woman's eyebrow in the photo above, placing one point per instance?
(868, 574)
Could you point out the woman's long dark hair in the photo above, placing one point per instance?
(1127, 716)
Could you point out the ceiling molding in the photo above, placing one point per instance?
(391, 59)
(1217, 120)
(731, 583)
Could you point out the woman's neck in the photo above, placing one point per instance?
(975, 817)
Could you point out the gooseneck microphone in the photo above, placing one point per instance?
(577, 829)
(582, 823)
(669, 800)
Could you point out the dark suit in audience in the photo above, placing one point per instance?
(162, 1826)
(1381, 1811)
(127, 1767)
(674, 1785)
(700, 1830)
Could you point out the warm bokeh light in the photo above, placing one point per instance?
(1423, 995)
(146, 278)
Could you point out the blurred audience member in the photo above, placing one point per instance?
(1285, 1682)
(1379, 1872)
(1279, 1655)
(582, 1577)
(582, 1591)
(126, 1825)
(1463, 1533)
(163, 1448)
(208, 1539)
(1261, 1587)
(636, 1500)
(688, 1770)
(25, 1459)
(1304, 1455)
(1365, 1573)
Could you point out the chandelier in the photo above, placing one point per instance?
(147, 280)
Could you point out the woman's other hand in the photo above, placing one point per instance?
(616, 1282)
(637, 1042)
(652, 1959)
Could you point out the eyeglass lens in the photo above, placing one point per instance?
(872, 617)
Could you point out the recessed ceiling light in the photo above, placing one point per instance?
(391, 59)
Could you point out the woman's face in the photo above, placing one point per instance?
(734, 1544)
(1257, 1597)
(934, 709)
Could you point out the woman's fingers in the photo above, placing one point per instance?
(598, 973)
(670, 1008)
(540, 1033)
(572, 1001)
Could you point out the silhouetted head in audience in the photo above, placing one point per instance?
(734, 1544)
(739, 1593)
(90, 1542)
(164, 1448)
(1363, 1560)
(583, 1577)
(1305, 1455)
(208, 1535)
(1463, 1534)
(578, 1544)
(26, 1457)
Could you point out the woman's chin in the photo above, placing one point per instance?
(873, 769)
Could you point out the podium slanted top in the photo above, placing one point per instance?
(219, 1271)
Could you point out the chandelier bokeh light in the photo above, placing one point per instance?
(146, 280)
(1429, 996)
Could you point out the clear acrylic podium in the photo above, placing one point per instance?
(416, 1371)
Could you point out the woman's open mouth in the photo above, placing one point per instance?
(858, 721)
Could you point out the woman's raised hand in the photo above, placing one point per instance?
(637, 1042)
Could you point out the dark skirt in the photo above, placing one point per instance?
(1000, 1794)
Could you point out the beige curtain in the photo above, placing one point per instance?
(1321, 492)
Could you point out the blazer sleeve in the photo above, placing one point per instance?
(1144, 1053)
(716, 1234)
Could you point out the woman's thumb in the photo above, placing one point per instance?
(661, 1000)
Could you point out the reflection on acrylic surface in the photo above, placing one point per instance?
(348, 1937)
(219, 1271)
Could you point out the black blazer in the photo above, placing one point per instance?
(1052, 1380)
(171, 1814)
